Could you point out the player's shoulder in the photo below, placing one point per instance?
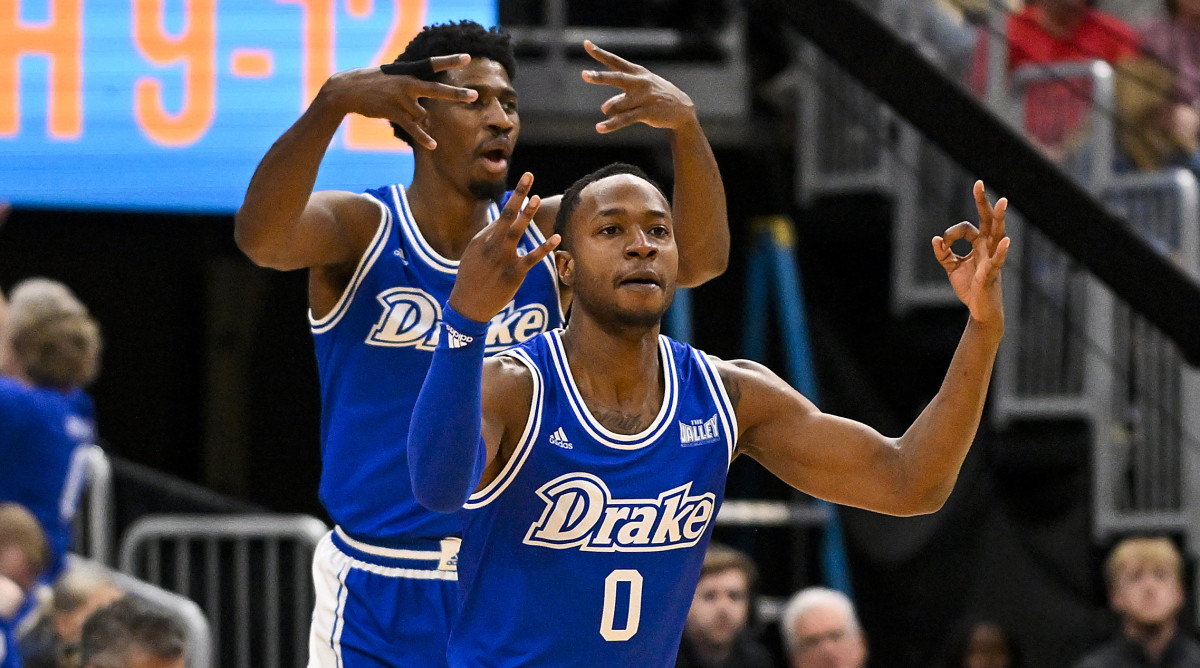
(357, 213)
(736, 367)
(742, 377)
(509, 384)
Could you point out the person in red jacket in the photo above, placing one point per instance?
(1048, 32)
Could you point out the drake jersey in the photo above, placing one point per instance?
(586, 548)
(373, 350)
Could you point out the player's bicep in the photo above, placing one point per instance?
(507, 397)
(824, 455)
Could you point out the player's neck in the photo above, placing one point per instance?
(447, 216)
(618, 373)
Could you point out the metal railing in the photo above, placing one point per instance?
(1072, 351)
(851, 141)
(246, 571)
(557, 104)
(92, 526)
(1147, 471)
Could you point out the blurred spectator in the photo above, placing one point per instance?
(132, 633)
(54, 640)
(1145, 580)
(51, 341)
(953, 26)
(23, 556)
(49, 350)
(1047, 32)
(983, 643)
(1159, 101)
(820, 629)
(716, 632)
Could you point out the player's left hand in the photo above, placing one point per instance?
(492, 267)
(976, 275)
(645, 97)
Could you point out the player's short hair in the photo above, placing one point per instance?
(51, 336)
(1141, 551)
(812, 598)
(446, 39)
(20, 528)
(114, 631)
(570, 198)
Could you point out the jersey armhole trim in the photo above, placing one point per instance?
(524, 445)
(717, 387)
(322, 325)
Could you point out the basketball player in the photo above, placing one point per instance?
(592, 460)
(380, 266)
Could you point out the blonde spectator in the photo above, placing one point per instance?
(24, 554)
(50, 339)
(49, 350)
(1145, 581)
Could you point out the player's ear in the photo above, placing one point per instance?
(565, 264)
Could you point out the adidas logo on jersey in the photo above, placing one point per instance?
(559, 438)
(580, 512)
(411, 319)
(699, 432)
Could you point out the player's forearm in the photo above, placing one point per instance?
(701, 221)
(934, 447)
(446, 453)
(283, 182)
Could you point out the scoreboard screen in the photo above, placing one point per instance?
(168, 105)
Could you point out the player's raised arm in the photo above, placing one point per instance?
(284, 225)
(850, 463)
(452, 439)
(698, 200)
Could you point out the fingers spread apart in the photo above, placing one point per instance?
(608, 58)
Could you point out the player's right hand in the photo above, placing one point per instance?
(371, 92)
(492, 267)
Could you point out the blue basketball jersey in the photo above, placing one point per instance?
(373, 350)
(40, 466)
(587, 547)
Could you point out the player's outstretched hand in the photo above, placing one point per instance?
(492, 266)
(976, 275)
(645, 97)
(391, 92)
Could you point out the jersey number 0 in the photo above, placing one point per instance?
(632, 616)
